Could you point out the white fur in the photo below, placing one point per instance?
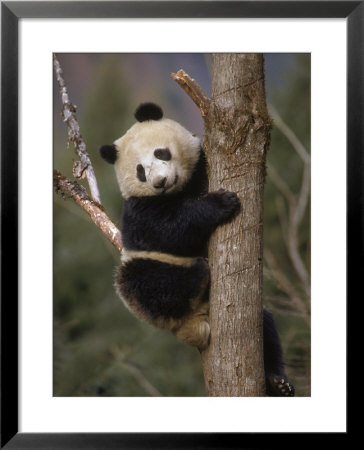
(137, 146)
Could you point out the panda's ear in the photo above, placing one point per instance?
(108, 153)
(148, 111)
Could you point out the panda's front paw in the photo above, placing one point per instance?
(278, 386)
(229, 204)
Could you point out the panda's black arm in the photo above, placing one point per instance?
(211, 210)
(174, 224)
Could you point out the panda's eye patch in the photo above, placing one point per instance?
(141, 173)
(163, 153)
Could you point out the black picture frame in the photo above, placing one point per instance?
(11, 12)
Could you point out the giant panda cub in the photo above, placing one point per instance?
(168, 218)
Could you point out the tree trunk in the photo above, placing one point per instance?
(237, 130)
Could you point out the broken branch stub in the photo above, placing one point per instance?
(193, 90)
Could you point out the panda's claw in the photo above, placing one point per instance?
(229, 204)
(278, 386)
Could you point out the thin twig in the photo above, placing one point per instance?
(296, 212)
(290, 135)
(78, 193)
(193, 90)
(285, 285)
(136, 373)
(83, 167)
(297, 206)
(282, 215)
(280, 184)
(303, 195)
(140, 379)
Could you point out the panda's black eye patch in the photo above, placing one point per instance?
(163, 153)
(141, 173)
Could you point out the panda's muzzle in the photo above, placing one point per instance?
(160, 183)
(165, 184)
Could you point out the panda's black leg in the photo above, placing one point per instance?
(277, 384)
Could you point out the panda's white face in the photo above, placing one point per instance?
(155, 158)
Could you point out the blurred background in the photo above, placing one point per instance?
(100, 349)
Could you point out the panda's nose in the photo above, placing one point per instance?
(160, 182)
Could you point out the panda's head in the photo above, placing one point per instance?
(155, 156)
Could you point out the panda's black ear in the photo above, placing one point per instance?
(108, 153)
(148, 111)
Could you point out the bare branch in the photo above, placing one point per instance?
(296, 213)
(281, 185)
(285, 285)
(282, 215)
(290, 135)
(140, 379)
(137, 374)
(296, 216)
(193, 90)
(293, 250)
(83, 167)
(297, 206)
(303, 196)
(96, 212)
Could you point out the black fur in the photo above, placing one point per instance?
(148, 111)
(277, 384)
(273, 355)
(108, 153)
(162, 290)
(163, 154)
(141, 173)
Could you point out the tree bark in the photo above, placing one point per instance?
(237, 131)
